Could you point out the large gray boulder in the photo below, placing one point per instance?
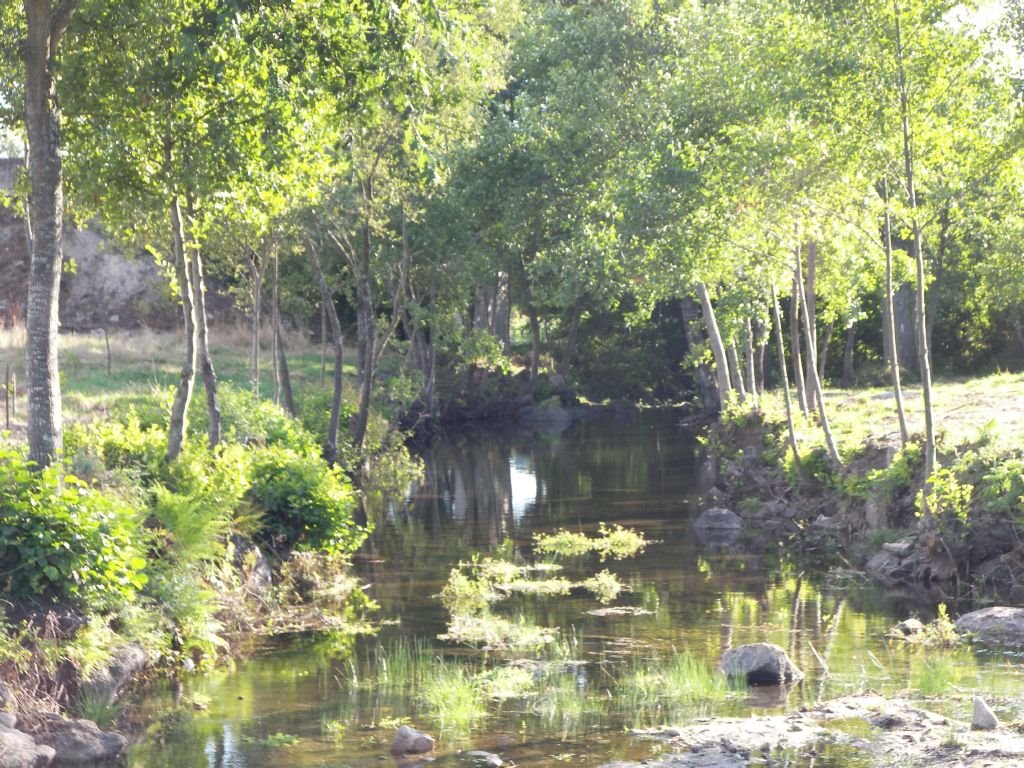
(126, 662)
(409, 741)
(998, 625)
(19, 750)
(760, 664)
(718, 527)
(79, 742)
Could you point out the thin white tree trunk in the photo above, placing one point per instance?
(781, 346)
(924, 358)
(890, 325)
(717, 347)
(812, 367)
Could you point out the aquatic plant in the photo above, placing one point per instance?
(604, 585)
(654, 689)
(934, 674)
(497, 633)
(455, 699)
(612, 541)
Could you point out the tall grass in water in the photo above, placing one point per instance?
(453, 696)
(653, 691)
(934, 674)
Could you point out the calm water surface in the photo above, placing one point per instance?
(335, 701)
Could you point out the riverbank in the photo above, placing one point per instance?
(859, 731)
(866, 514)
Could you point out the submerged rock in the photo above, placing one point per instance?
(78, 742)
(485, 759)
(983, 719)
(760, 664)
(19, 750)
(998, 625)
(409, 741)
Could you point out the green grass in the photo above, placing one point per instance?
(665, 689)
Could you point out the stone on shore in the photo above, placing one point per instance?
(409, 741)
(983, 719)
(998, 625)
(760, 664)
(19, 750)
(79, 742)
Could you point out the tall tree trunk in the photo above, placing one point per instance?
(203, 339)
(330, 449)
(534, 318)
(890, 329)
(275, 330)
(748, 348)
(924, 358)
(46, 222)
(810, 307)
(826, 342)
(759, 359)
(177, 427)
(323, 341)
(256, 273)
(689, 312)
(284, 378)
(717, 347)
(833, 452)
(781, 348)
(569, 352)
(794, 334)
(851, 341)
(736, 371)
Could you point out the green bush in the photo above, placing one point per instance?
(306, 503)
(195, 511)
(64, 540)
(251, 420)
(121, 444)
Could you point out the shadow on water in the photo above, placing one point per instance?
(334, 700)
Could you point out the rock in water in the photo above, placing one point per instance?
(718, 519)
(409, 741)
(984, 719)
(485, 759)
(760, 664)
(718, 527)
(78, 742)
(19, 750)
(997, 625)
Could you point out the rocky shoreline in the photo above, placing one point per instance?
(859, 730)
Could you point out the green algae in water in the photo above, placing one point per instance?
(612, 541)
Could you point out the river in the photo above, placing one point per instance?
(334, 700)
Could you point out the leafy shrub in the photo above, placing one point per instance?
(305, 502)
(64, 540)
(122, 444)
(1002, 486)
(251, 420)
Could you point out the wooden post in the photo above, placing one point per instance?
(7, 396)
(106, 338)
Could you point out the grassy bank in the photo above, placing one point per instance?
(116, 546)
(977, 496)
